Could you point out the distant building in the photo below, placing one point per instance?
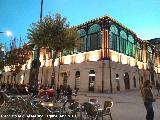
(155, 42)
(112, 58)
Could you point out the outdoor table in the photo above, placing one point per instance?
(37, 100)
(16, 96)
(52, 105)
(96, 104)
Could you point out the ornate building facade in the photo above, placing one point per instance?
(110, 58)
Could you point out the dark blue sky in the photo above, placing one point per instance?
(141, 16)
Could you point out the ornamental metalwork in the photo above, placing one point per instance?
(123, 42)
(114, 42)
(94, 37)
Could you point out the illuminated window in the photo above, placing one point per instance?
(82, 46)
(149, 54)
(139, 51)
(114, 42)
(49, 54)
(123, 42)
(94, 37)
(130, 47)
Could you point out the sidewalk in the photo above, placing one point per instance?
(128, 105)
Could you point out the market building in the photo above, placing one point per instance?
(111, 58)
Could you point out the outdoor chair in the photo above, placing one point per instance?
(41, 110)
(106, 110)
(25, 106)
(1, 98)
(46, 112)
(89, 111)
(67, 103)
(6, 98)
(75, 93)
(62, 100)
(29, 109)
(7, 104)
(95, 101)
(72, 109)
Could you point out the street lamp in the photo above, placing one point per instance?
(8, 33)
(0, 76)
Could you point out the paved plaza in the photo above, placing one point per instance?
(128, 105)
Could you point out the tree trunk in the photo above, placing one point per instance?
(53, 82)
(34, 71)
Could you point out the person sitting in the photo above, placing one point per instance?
(41, 91)
(50, 92)
(12, 91)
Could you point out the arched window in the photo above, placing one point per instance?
(82, 47)
(126, 81)
(94, 37)
(131, 46)
(139, 51)
(77, 80)
(123, 42)
(149, 54)
(91, 80)
(114, 42)
(134, 82)
(117, 82)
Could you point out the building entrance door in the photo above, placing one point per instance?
(77, 80)
(126, 81)
(65, 79)
(91, 83)
(91, 80)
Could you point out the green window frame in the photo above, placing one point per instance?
(82, 46)
(114, 41)
(130, 46)
(149, 54)
(139, 51)
(123, 42)
(94, 40)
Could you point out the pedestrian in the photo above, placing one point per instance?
(157, 87)
(69, 92)
(148, 99)
(58, 93)
(50, 92)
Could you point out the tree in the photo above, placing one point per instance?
(1, 57)
(1, 60)
(53, 32)
(16, 57)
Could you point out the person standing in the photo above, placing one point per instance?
(69, 92)
(148, 99)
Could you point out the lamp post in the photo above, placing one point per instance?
(1, 60)
(41, 9)
(33, 77)
(7, 33)
(0, 77)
